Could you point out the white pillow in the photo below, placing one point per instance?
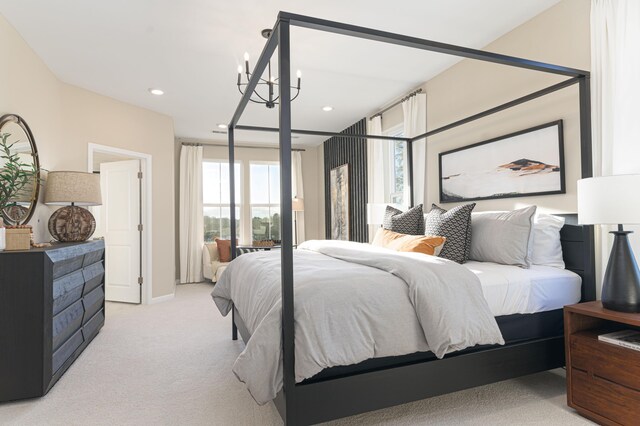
(502, 237)
(546, 249)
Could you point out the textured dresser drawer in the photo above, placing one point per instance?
(93, 276)
(93, 303)
(611, 362)
(66, 350)
(67, 266)
(613, 401)
(66, 290)
(66, 323)
(93, 257)
(93, 325)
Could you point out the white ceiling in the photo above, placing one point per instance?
(191, 49)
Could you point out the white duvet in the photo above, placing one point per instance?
(352, 302)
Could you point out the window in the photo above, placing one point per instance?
(265, 201)
(396, 163)
(215, 197)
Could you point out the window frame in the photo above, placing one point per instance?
(263, 205)
(239, 203)
(391, 171)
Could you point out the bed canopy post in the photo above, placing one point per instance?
(232, 215)
(286, 224)
(232, 192)
(586, 157)
(409, 147)
(585, 126)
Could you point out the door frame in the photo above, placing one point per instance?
(147, 209)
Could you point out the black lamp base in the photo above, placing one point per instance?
(621, 284)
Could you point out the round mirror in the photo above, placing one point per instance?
(18, 148)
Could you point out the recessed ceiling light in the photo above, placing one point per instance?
(157, 92)
(222, 126)
(327, 108)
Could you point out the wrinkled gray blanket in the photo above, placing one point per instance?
(352, 302)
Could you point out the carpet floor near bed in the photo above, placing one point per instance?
(170, 363)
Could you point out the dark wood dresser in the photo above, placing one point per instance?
(51, 307)
(603, 379)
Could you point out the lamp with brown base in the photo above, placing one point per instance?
(72, 223)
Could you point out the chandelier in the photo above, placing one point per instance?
(267, 97)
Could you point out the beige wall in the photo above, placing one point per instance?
(559, 36)
(65, 119)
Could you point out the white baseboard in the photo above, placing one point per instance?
(161, 299)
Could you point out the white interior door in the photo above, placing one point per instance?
(120, 217)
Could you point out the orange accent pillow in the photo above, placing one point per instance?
(224, 249)
(426, 244)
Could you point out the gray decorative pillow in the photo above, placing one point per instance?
(410, 222)
(455, 226)
(503, 237)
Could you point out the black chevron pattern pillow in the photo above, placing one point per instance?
(455, 226)
(410, 222)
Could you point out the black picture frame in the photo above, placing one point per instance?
(446, 198)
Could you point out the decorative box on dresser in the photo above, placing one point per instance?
(51, 308)
(603, 379)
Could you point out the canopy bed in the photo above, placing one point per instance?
(382, 382)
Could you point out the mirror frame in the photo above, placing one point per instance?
(14, 118)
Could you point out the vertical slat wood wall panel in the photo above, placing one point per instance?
(341, 150)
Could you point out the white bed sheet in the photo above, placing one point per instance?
(514, 290)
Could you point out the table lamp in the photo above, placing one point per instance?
(297, 205)
(72, 189)
(613, 200)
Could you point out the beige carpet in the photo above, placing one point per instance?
(170, 364)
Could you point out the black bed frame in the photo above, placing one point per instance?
(308, 403)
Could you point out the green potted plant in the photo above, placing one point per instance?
(15, 177)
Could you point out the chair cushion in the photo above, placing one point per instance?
(213, 251)
(224, 249)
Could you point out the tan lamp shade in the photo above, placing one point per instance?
(297, 204)
(79, 188)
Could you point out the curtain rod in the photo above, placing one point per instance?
(243, 147)
(415, 92)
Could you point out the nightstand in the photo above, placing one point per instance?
(603, 380)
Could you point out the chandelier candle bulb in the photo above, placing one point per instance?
(268, 96)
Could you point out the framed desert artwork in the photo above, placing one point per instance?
(522, 164)
(339, 184)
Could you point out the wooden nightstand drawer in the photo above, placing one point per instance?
(603, 379)
(611, 362)
(610, 400)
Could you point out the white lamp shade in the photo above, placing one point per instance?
(80, 188)
(375, 213)
(609, 200)
(297, 204)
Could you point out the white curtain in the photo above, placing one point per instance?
(191, 214)
(297, 191)
(615, 88)
(414, 110)
(376, 170)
